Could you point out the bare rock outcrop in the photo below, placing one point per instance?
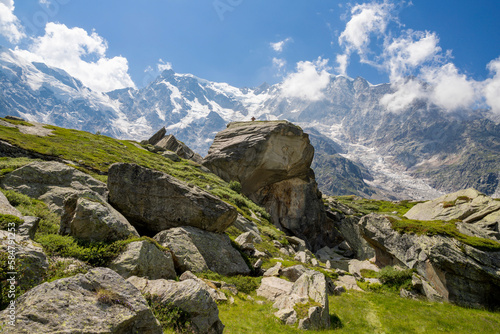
(94, 220)
(100, 301)
(153, 201)
(460, 273)
(197, 251)
(190, 296)
(53, 182)
(144, 259)
(479, 214)
(272, 162)
(169, 143)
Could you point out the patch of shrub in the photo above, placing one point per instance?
(245, 284)
(235, 186)
(110, 298)
(395, 279)
(9, 221)
(169, 316)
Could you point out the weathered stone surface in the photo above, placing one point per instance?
(273, 287)
(287, 315)
(458, 272)
(293, 273)
(273, 271)
(258, 154)
(153, 201)
(6, 208)
(30, 259)
(272, 162)
(355, 267)
(347, 282)
(349, 230)
(53, 182)
(311, 285)
(245, 225)
(100, 301)
(248, 238)
(171, 155)
(144, 259)
(197, 250)
(190, 296)
(94, 220)
(480, 214)
(29, 227)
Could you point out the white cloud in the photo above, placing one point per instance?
(10, 27)
(81, 55)
(491, 88)
(405, 94)
(408, 52)
(163, 66)
(367, 19)
(278, 46)
(450, 90)
(279, 63)
(308, 82)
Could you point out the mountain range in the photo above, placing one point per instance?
(360, 148)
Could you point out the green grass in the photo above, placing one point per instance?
(245, 284)
(445, 228)
(366, 206)
(16, 122)
(9, 222)
(8, 165)
(368, 312)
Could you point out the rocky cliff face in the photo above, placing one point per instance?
(272, 162)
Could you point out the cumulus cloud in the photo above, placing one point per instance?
(366, 20)
(491, 88)
(309, 81)
(10, 27)
(80, 54)
(278, 46)
(418, 68)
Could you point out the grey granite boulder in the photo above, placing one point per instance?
(190, 296)
(144, 259)
(94, 220)
(154, 201)
(197, 250)
(100, 301)
(53, 182)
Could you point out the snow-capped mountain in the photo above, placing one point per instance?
(361, 148)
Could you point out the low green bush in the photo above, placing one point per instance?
(169, 316)
(8, 221)
(235, 186)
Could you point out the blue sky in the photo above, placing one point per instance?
(116, 43)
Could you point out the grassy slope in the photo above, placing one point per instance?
(355, 312)
(358, 312)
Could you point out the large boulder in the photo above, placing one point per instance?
(154, 201)
(100, 301)
(144, 259)
(198, 250)
(460, 273)
(258, 154)
(23, 256)
(310, 290)
(94, 220)
(272, 162)
(190, 296)
(53, 183)
(479, 214)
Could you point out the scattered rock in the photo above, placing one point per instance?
(347, 282)
(480, 214)
(29, 227)
(94, 220)
(154, 201)
(170, 143)
(171, 155)
(273, 271)
(248, 238)
(53, 182)
(273, 287)
(100, 301)
(458, 272)
(30, 259)
(190, 296)
(6, 208)
(293, 273)
(245, 225)
(355, 267)
(144, 259)
(197, 251)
